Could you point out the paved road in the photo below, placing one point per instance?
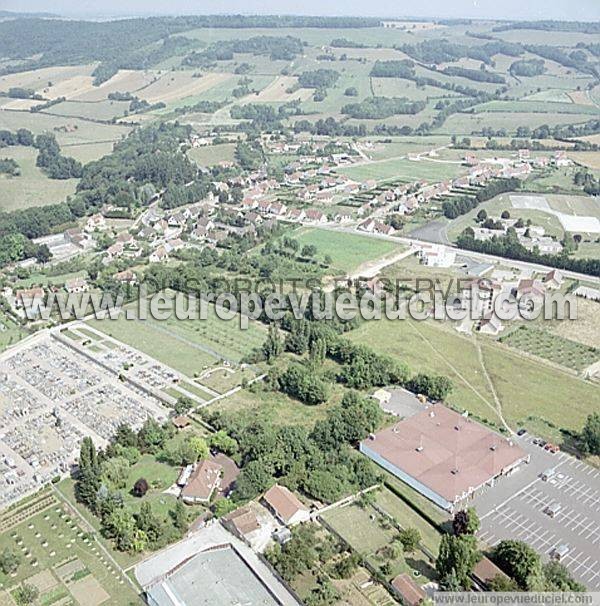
(482, 257)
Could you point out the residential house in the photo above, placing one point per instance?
(296, 214)
(202, 482)
(77, 285)
(113, 252)
(242, 522)
(553, 279)
(529, 287)
(95, 223)
(285, 505)
(25, 297)
(77, 237)
(409, 592)
(315, 216)
(125, 277)
(278, 209)
(159, 255)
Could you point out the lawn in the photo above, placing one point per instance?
(275, 407)
(348, 251)
(548, 346)
(189, 346)
(356, 527)
(52, 538)
(32, 187)
(212, 154)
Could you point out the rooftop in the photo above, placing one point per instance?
(284, 502)
(216, 577)
(445, 451)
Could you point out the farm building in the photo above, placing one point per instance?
(443, 455)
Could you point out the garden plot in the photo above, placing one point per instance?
(552, 347)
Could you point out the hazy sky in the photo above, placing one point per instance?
(588, 10)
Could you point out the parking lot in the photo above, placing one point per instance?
(518, 508)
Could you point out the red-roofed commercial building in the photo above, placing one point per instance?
(443, 455)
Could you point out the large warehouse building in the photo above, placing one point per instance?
(443, 455)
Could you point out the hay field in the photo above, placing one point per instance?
(178, 85)
(589, 159)
(70, 88)
(38, 79)
(277, 91)
(125, 80)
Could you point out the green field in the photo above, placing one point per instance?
(518, 107)
(212, 154)
(91, 110)
(32, 187)
(551, 347)
(66, 130)
(186, 345)
(404, 170)
(556, 396)
(348, 251)
(470, 123)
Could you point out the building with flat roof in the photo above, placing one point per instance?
(216, 577)
(210, 567)
(443, 455)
